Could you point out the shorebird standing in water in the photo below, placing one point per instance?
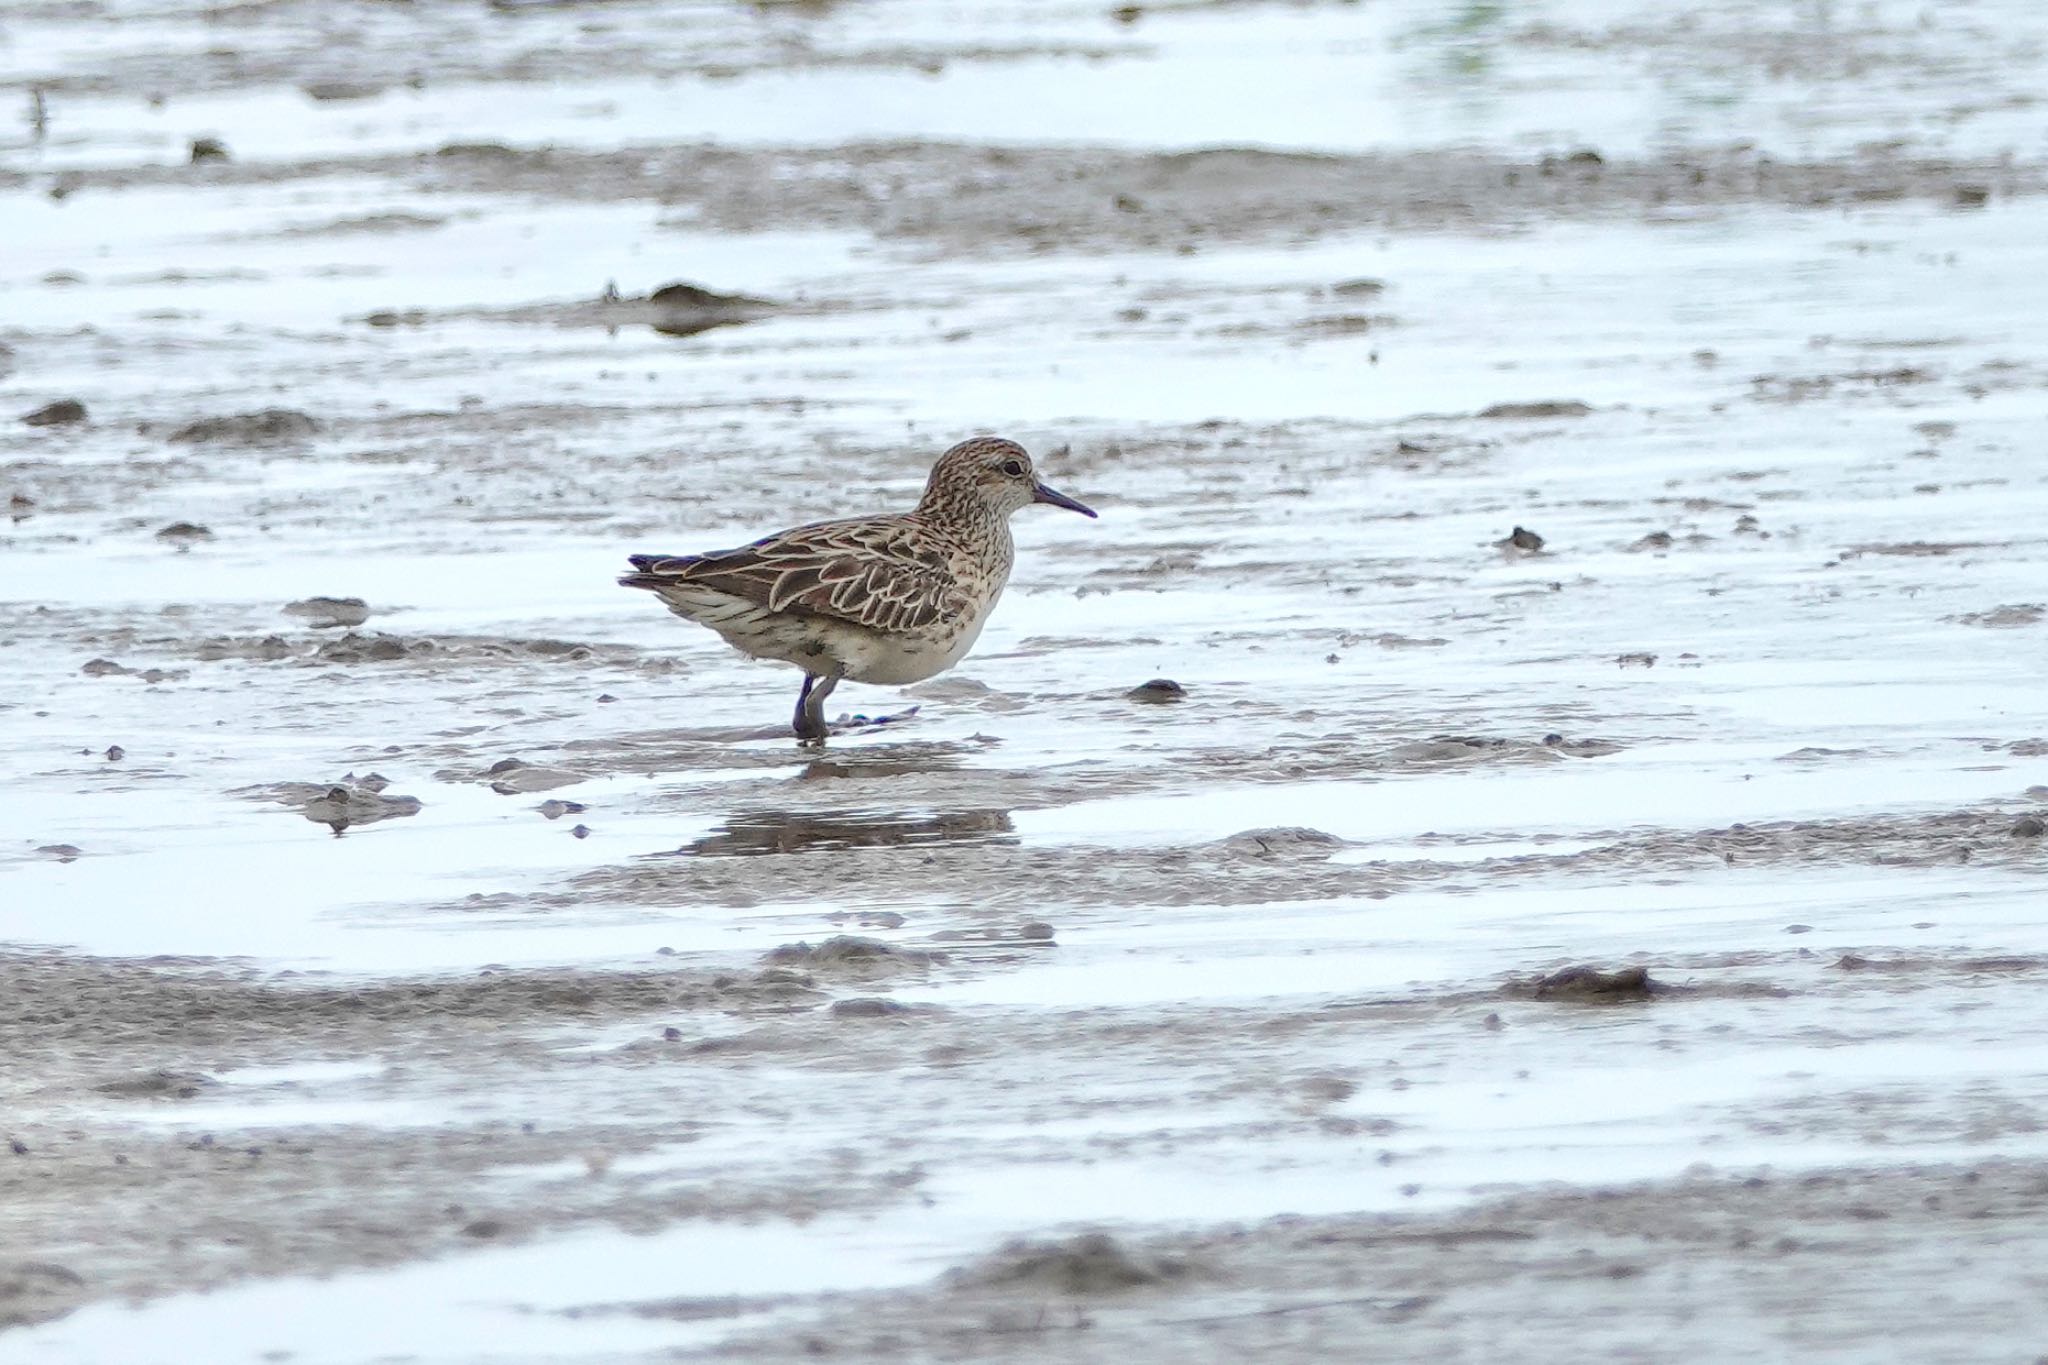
(893, 598)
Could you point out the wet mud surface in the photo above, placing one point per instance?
(1525, 815)
(1622, 1271)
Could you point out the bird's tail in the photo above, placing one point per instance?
(649, 575)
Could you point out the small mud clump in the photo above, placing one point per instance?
(1591, 985)
(325, 612)
(2005, 617)
(206, 149)
(686, 309)
(1525, 412)
(184, 534)
(338, 805)
(264, 427)
(1090, 1263)
(1158, 692)
(1287, 841)
(849, 955)
(517, 777)
(64, 412)
(2028, 827)
(868, 1007)
(156, 1085)
(36, 1291)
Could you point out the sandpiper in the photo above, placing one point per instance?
(893, 598)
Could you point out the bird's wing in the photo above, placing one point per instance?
(882, 573)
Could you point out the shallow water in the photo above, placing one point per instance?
(528, 1072)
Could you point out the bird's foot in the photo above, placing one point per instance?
(848, 725)
(855, 724)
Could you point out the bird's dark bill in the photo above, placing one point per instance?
(1041, 493)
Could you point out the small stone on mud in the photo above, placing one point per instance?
(1656, 540)
(1362, 287)
(672, 1034)
(867, 1007)
(63, 853)
(554, 809)
(62, 413)
(605, 697)
(484, 1229)
(1158, 691)
(1593, 984)
(1523, 539)
(1799, 928)
(264, 427)
(1037, 931)
(104, 668)
(115, 753)
(2028, 827)
(581, 831)
(184, 533)
(1638, 659)
(208, 149)
(323, 612)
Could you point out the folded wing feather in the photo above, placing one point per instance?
(873, 574)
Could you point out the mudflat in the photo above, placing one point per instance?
(1523, 822)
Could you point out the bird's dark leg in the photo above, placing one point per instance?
(809, 722)
(803, 703)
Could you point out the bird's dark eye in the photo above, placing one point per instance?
(1014, 468)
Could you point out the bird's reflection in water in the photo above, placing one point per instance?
(773, 831)
(888, 760)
